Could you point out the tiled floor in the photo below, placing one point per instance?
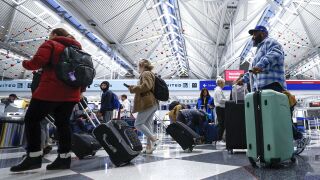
(170, 162)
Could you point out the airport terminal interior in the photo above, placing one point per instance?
(195, 46)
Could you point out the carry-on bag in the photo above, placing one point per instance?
(268, 128)
(184, 135)
(82, 144)
(118, 139)
(211, 133)
(235, 126)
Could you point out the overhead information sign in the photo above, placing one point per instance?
(232, 75)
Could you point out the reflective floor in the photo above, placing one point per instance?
(170, 162)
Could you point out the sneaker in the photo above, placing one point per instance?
(155, 144)
(27, 163)
(60, 163)
(221, 143)
(47, 150)
(147, 151)
(301, 145)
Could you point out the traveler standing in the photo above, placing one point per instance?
(51, 96)
(106, 109)
(126, 110)
(219, 102)
(268, 65)
(205, 103)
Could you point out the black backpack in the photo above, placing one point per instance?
(161, 90)
(75, 67)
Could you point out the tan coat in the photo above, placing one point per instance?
(144, 97)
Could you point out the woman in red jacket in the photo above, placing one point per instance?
(51, 96)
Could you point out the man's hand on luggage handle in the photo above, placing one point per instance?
(239, 82)
(256, 70)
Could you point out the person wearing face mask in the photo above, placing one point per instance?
(268, 65)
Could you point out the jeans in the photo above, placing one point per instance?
(108, 115)
(144, 122)
(277, 87)
(37, 111)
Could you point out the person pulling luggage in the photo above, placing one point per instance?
(145, 104)
(269, 64)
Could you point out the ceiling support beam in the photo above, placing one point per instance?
(200, 12)
(199, 70)
(197, 51)
(305, 26)
(11, 20)
(101, 26)
(141, 40)
(154, 48)
(29, 40)
(198, 75)
(133, 21)
(202, 33)
(199, 40)
(15, 50)
(224, 10)
(245, 26)
(199, 60)
(198, 21)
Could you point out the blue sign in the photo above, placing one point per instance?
(210, 85)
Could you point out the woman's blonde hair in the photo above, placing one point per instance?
(146, 64)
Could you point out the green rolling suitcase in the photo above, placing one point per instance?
(268, 128)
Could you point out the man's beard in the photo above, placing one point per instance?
(257, 40)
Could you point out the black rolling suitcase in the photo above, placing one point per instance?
(184, 135)
(235, 126)
(82, 144)
(118, 139)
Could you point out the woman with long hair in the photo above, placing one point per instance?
(145, 104)
(205, 103)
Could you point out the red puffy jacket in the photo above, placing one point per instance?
(50, 87)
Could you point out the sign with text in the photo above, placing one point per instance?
(210, 85)
(232, 75)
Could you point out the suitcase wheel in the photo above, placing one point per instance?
(230, 151)
(293, 159)
(252, 162)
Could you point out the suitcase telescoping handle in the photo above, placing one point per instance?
(161, 121)
(236, 92)
(94, 115)
(251, 81)
(50, 120)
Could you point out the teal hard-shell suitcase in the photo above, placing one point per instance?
(268, 128)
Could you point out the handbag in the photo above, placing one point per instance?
(35, 80)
